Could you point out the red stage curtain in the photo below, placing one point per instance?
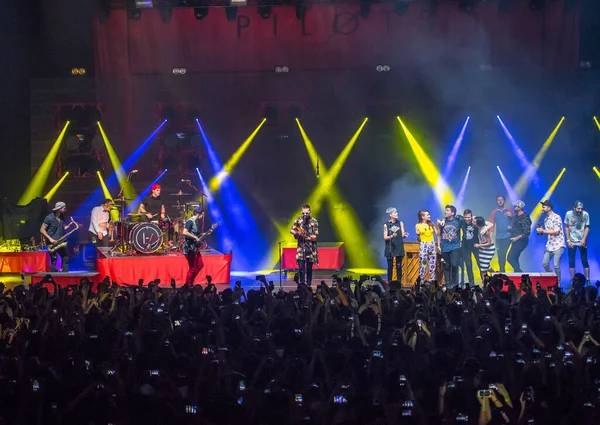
(336, 37)
(25, 262)
(128, 270)
(331, 257)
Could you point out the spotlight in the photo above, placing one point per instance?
(295, 112)
(365, 8)
(141, 4)
(201, 12)
(504, 6)
(401, 6)
(466, 6)
(282, 69)
(270, 113)
(78, 71)
(168, 113)
(264, 11)
(134, 14)
(179, 71)
(165, 10)
(537, 4)
(231, 13)
(238, 2)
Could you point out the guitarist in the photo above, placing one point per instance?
(52, 229)
(306, 230)
(192, 233)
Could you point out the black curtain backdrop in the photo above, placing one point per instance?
(23, 221)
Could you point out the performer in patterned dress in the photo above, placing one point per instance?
(306, 230)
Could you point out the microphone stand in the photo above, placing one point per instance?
(202, 196)
(280, 265)
(121, 197)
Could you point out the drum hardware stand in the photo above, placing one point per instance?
(121, 242)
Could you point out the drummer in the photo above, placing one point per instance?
(152, 206)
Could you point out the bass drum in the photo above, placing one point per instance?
(146, 238)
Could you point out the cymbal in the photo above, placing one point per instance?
(192, 204)
(121, 200)
(178, 206)
(136, 215)
(180, 193)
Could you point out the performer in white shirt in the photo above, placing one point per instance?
(99, 223)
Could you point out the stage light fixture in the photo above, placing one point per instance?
(365, 8)
(165, 9)
(144, 4)
(401, 6)
(537, 5)
(466, 6)
(238, 3)
(270, 113)
(264, 11)
(78, 71)
(504, 6)
(179, 71)
(231, 13)
(201, 12)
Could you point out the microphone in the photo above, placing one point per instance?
(185, 181)
(317, 168)
(133, 171)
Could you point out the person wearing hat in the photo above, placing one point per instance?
(53, 229)
(555, 246)
(192, 233)
(577, 226)
(99, 219)
(306, 230)
(393, 235)
(520, 229)
(153, 206)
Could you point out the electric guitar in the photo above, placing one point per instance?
(205, 235)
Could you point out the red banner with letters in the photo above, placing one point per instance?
(337, 37)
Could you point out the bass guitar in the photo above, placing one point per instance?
(61, 242)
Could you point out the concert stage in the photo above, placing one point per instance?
(24, 262)
(128, 270)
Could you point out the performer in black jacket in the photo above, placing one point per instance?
(520, 229)
(393, 235)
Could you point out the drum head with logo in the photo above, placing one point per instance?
(146, 238)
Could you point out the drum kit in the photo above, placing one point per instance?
(139, 234)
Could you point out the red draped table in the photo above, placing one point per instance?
(24, 262)
(129, 270)
(331, 256)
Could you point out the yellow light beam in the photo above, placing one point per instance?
(596, 171)
(597, 122)
(537, 211)
(525, 179)
(441, 190)
(114, 213)
(323, 188)
(215, 182)
(129, 191)
(52, 191)
(344, 219)
(328, 179)
(35, 187)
